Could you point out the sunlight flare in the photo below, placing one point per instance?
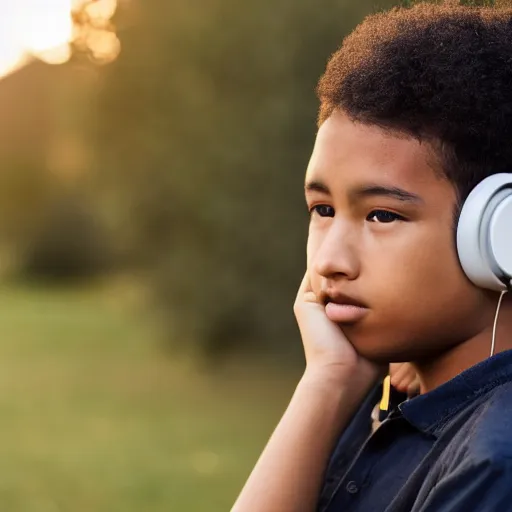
(45, 30)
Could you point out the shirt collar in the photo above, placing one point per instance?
(429, 412)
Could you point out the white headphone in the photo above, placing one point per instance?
(484, 233)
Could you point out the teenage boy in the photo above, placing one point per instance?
(416, 111)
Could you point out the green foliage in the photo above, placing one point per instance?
(69, 243)
(22, 184)
(206, 124)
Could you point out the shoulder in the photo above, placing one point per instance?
(479, 436)
(482, 484)
(474, 470)
(490, 433)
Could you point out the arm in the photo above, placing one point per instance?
(288, 475)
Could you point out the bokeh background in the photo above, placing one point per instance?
(152, 237)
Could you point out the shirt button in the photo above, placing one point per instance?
(352, 487)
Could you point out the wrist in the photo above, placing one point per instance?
(351, 385)
(326, 377)
(333, 399)
(361, 375)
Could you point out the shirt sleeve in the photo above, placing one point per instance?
(483, 486)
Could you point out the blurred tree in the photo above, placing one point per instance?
(68, 243)
(43, 147)
(205, 125)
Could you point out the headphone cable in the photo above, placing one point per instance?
(493, 342)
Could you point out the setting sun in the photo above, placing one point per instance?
(44, 29)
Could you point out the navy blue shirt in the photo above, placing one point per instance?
(447, 450)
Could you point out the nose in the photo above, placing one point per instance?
(335, 254)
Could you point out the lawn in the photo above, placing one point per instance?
(96, 417)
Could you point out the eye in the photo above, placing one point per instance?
(383, 216)
(323, 210)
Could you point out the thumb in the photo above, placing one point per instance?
(305, 293)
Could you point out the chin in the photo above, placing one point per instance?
(394, 350)
(380, 350)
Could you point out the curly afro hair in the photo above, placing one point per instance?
(439, 73)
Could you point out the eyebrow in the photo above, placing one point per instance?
(316, 186)
(368, 191)
(393, 192)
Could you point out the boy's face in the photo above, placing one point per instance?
(381, 234)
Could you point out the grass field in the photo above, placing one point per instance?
(95, 418)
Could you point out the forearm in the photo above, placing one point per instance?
(289, 473)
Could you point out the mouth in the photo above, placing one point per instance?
(344, 309)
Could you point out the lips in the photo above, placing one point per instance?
(341, 298)
(341, 308)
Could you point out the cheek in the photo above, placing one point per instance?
(312, 246)
(437, 265)
(425, 302)
(419, 276)
(418, 255)
(311, 250)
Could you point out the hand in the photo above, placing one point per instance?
(404, 378)
(328, 352)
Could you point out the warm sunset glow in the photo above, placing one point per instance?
(44, 29)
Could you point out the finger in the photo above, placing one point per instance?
(305, 293)
(414, 387)
(403, 377)
(411, 388)
(401, 386)
(305, 285)
(398, 372)
(405, 371)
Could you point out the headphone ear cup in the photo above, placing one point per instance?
(500, 236)
(485, 250)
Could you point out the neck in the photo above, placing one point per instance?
(440, 369)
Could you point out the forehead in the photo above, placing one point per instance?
(352, 153)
